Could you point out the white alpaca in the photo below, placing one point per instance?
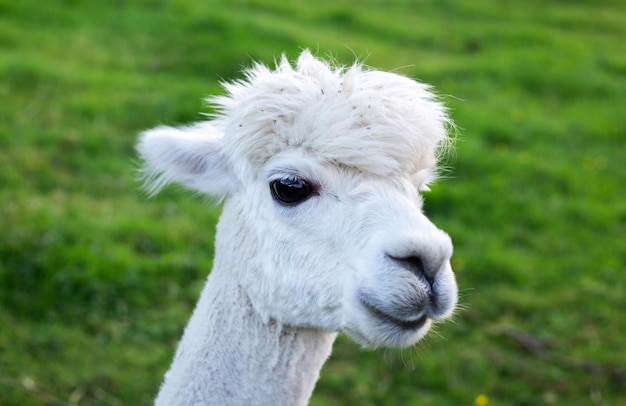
(322, 231)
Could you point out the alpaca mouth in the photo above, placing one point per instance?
(403, 324)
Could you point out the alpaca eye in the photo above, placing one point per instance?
(290, 190)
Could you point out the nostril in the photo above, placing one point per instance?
(416, 265)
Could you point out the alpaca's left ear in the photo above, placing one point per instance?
(190, 156)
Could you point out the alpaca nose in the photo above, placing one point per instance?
(425, 253)
(417, 266)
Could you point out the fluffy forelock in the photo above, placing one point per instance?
(376, 122)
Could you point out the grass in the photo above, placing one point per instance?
(97, 281)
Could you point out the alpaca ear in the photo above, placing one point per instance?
(190, 156)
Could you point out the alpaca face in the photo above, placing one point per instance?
(342, 250)
(321, 171)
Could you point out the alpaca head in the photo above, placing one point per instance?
(321, 169)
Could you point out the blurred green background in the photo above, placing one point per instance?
(97, 280)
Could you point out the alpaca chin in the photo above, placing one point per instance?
(374, 331)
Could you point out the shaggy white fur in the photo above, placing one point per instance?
(322, 231)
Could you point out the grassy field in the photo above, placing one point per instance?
(97, 280)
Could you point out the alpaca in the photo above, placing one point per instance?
(320, 170)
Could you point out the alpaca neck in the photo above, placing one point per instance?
(229, 356)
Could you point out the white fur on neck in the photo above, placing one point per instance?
(229, 355)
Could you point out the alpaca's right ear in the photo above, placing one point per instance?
(190, 156)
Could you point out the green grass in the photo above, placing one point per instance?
(97, 281)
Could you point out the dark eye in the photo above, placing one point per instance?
(290, 189)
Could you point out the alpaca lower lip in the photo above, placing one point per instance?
(404, 324)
